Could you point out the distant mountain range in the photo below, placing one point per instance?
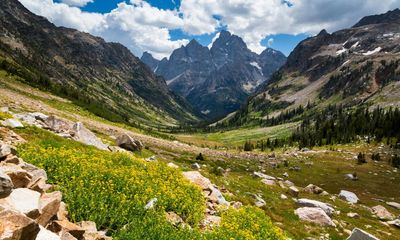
(355, 66)
(104, 77)
(218, 80)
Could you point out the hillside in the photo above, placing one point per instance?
(105, 78)
(351, 67)
(216, 81)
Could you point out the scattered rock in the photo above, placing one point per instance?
(216, 196)
(174, 218)
(288, 183)
(6, 150)
(197, 179)
(286, 174)
(283, 197)
(268, 182)
(358, 234)
(395, 223)
(150, 204)
(172, 165)
(6, 185)
(57, 125)
(353, 215)
(259, 201)
(348, 196)
(264, 176)
(62, 213)
(15, 225)
(293, 191)
(127, 142)
(382, 213)
(19, 177)
(195, 166)
(328, 209)
(25, 201)
(351, 176)
(237, 205)
(312, 189)
(151, 159)
(81, 134)
(45, 234)
(49, 206)
(314, 215)
(210, 222)
(12, 123)
(394, 204)
(66, 226)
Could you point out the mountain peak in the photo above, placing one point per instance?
(193, 43)
(388, 17)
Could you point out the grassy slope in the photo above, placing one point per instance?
(327, 171)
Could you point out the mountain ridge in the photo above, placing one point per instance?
(216, 80)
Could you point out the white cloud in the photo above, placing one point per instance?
(142, 27)
(77, 3)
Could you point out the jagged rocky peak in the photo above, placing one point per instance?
(149, 60)
(388, 17)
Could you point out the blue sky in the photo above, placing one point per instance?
(160, 26)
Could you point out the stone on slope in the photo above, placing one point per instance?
(6, 150)
(25, 201)
(395, 223)
(66, 226)
(210, 222)
(14, 225)
(127, 142)
(172, 165)
(6, 185)
(84, 135)
(49, 205)
(394, 204)
(19, 177)
(353, 215)
(358, 234)
(39, 185)
(174, 218)
(216, 196)
(12, 123)
(264, 176)
(259, 201)
(293, 191)
(348, 196)
(328, 209)
(57, 125)
(196, 178)
(314, 215)
(382, 213)
(45, 234)
(313, 189)
(151, 203)
(195, 166)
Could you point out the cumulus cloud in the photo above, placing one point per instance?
(77, 3)
(143, 27)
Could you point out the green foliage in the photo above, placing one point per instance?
(395, 161)
(376, 157)
(4, 116)
(200, 157)
(248, 146)
(361, 158)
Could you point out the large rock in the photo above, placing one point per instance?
(358, 234)
(315, 215)
(348, 196)
(216, 196)
(57, 125)
(45, 234)
(49, 206)
(127, 142)
(395, 223)
(16, 226)
(66, 226)
(6, 150)
(382, 213)
(25, 201)
(328, 209)
(6, 185)
(84, 135)
(20, 177)
(293, 191)
(313, 189)
(394, 204)
(12, 123)
(197, 179)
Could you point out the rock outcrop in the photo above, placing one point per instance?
(315, 215)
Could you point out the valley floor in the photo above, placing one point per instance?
(232, 170)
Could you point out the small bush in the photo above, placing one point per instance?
(395, 161)
(361, 158)
(248, 146)
(200, 157)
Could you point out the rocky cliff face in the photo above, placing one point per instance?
(352, 66)
(85, 68)
(217, 81)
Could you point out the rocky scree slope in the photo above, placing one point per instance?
(350, 67)
(104, 77)
(218, 80)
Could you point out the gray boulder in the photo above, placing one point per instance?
(315, 215)
(6, 184)
(127, 142)
(57, 125)
(6, 150)
(84, 135)
(348, 196)
(358, 234)
(12, 123)
(328, 209)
